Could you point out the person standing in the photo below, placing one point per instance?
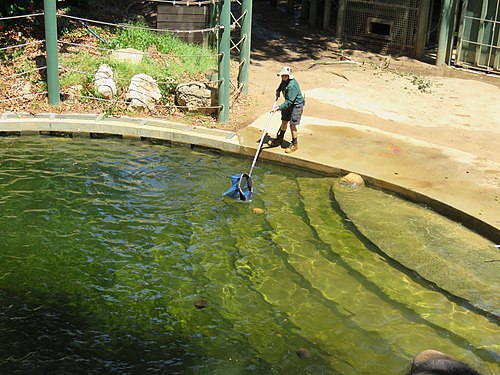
(291, 109)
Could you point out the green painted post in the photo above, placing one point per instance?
(423, 16)
(445, 28)
(327, 15)
(304, 8)
(51, 51)
(313, 12)
(246, 35)
(224, 60)
(213, 37)
(339, 34)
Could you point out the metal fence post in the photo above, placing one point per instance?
(444, 31)
(51, 51)
(313, 12)
(246, 34)
(224, 60)
(339, 34)
(423, 16)
(213, 37)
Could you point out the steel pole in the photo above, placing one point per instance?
(423, 16)
(327, 16)
(445, 28)
(51, 51)
(224, 60)
(339, 33)
(246, 35)
(313, 12)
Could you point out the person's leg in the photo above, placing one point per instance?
(280, 135)
(294, 121)
(295, 143)
(295, 133)
(284, 125)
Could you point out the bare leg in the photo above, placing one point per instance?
(293, 129)
(284, 125)
(294, 146)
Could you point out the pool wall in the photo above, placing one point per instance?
(99, 126)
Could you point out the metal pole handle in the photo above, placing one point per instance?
(262, 139)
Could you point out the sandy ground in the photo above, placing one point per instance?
(449, 111)
(441, 105)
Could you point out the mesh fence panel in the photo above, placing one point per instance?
(388, 26)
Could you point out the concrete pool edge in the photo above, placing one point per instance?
(97, 126)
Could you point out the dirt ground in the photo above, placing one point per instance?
(441, 105)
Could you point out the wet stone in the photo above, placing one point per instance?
(201, 304)
(303, 353)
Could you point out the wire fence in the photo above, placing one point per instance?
(21, 82)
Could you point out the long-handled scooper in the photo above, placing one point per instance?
(242, 189)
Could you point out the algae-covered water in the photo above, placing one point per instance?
(106, 246)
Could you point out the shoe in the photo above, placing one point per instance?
(293, 147)
(275, 142)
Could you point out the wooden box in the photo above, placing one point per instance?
(181, 17)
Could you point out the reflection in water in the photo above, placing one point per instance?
(107, 246)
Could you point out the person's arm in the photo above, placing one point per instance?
(278, 90)
(292, 92)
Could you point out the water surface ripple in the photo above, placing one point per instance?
(107, 245)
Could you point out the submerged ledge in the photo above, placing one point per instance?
(99, 126)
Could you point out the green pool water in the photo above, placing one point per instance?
(106, 245)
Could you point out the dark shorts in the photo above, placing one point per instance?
(293, 114)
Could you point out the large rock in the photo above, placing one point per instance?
(143, 92)
(127, 55)
(352, 180)
(25, 91)
(197, 97)
(72, 94)
(104, 83)
(434, 362)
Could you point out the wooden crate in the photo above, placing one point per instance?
(179, 17)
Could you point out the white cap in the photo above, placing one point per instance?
(286, 71)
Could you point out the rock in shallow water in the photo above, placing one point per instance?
(201, 304)
(352, 180)
(303, 353)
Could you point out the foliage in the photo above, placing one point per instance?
(17, 7)
(12, 8)
(185, 58)
(166, 58)
(83, 47)
(423, 84)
